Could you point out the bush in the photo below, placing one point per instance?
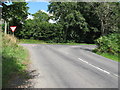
(109, 44)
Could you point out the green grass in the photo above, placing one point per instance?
(110, 56)
(14, 59)
(71, 43)
(13, 62)
(0, 59)
(30, 41)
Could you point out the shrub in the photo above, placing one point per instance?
(109, 44)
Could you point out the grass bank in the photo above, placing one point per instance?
(110, 56)
(14, 58)
(30, 41)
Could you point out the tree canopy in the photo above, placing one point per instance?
(15, 14)
(75, 21)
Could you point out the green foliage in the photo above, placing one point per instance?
(40, 29)
(13, 58)
(15, 14)
(40, 16)
(109, 44)
(110, 56)
(83, 20)
(17, 10)
(77, 22)
(108, 15)
(73, 22)
(31, 41)
(92, 21)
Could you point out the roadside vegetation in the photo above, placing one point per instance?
(79, 22)
(108, 46)
(110, 56)
(14, 59)
(32, 41)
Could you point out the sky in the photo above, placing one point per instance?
(35, 6)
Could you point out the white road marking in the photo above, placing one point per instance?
(94, 66)
(116, 75)
(98, 67)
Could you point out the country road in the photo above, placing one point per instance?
(72, 66)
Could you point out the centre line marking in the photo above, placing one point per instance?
(94, 66)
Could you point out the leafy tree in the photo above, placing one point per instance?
(40, 16)
(107, 13)
(75, 22)
(92, 21)
(99, 19)
(15, 14)
(72, 20)
(39, 28)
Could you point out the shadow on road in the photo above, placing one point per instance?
(23, 80)
(87, 49)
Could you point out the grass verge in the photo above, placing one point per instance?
(110, 56)
(30, 41)
(14, 59)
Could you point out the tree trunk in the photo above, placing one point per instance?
(102, 28)
(65, 35)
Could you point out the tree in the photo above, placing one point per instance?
(72, 20)
(39, 28)
(15, 14)
(102, 18)
(41, 16)
(75, 22)
(92, 21)
(107, 14)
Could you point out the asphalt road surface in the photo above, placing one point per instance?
(72, 66)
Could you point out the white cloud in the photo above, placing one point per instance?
(47, 12)
(30, 17)
(37, 0)
(52, 21)
(27, 0)
(44, 11)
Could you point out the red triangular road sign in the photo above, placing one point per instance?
(13, 28)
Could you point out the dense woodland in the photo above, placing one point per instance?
(76, 22)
